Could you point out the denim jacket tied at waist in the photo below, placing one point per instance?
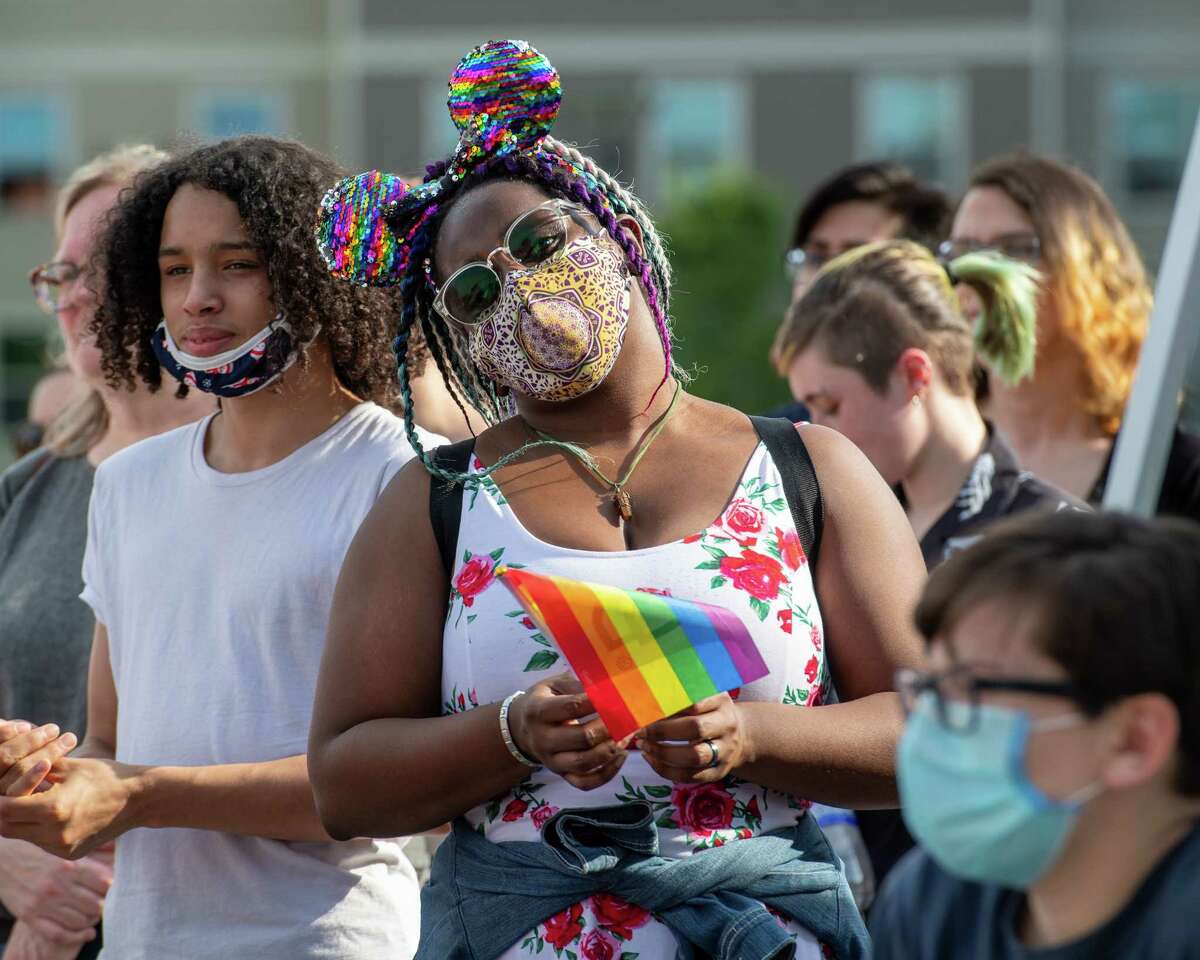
(482, 897)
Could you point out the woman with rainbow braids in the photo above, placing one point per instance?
(542, 291)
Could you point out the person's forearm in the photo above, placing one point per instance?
(392, 776)
(271, 799)
(842, 755)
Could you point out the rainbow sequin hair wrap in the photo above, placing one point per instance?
(504, 98)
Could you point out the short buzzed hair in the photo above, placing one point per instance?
(923, 209)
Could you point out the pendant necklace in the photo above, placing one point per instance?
(620, 496)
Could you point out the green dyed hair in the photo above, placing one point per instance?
(868, 306)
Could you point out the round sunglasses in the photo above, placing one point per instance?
(536, 236)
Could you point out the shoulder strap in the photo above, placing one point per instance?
(799, 478)
(445, 498)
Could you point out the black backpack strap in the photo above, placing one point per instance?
(799, 478)
(446, 498)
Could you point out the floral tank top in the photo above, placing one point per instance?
(748, 560)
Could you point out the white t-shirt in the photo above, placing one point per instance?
(215, 589)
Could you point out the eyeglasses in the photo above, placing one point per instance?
(956, 692)
(799, 262)
(50, 281)
(536, 236)
(1016, 246)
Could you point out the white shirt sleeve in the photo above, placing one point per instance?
(94, 587)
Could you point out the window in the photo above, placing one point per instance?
(695, 130)
(230, 113)
(33, 135)
(919, 121)
(1152, 123)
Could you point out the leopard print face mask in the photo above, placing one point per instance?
(557, 328)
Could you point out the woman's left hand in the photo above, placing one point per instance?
(702, 744)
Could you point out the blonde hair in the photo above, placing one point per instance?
(1094, 275)
(872, 303)
(85, 420)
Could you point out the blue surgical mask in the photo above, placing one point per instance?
(245, 369)
(967, 799)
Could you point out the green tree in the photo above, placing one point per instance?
(729, 291)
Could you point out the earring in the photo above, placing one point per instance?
(916, 400)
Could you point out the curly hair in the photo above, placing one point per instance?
(561, 171)
(277, 186)
(1094, 275)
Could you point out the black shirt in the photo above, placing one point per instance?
(996, 487)
(1180, 494)
(925, 913)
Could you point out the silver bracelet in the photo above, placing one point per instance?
(507, 734)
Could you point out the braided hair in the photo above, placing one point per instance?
(563, 172)
(374, 230)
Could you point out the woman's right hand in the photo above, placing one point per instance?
(59, 900)
(548, 725)
(25, 943)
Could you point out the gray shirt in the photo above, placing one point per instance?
(45, 629)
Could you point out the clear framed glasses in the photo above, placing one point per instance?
(536, 236)
(50, 282)
(800, 262)
(956, 692)
(1025, 247)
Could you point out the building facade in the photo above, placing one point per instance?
(665, 93)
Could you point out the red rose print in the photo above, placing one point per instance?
(618, 916)
(654, 590)
(810, 670)
(817, 695)
(694, 538)
(702, 807)
(752, 808)
(528, 624)
(814, 635)
(742, 519)
(785, 620)
(515, 810)
(474, 577)
(541, 814)
(563, 929)
(760, 576)
(598, 945)
(462, 702)
(789, 548)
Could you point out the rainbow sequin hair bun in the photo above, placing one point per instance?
(353, 233)
(504, 96)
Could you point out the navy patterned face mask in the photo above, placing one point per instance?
(239, 372)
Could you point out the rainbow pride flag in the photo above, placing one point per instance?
(639, 656)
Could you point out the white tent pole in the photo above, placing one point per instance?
(1150, 415)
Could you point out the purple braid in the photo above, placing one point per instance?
(552, 175)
